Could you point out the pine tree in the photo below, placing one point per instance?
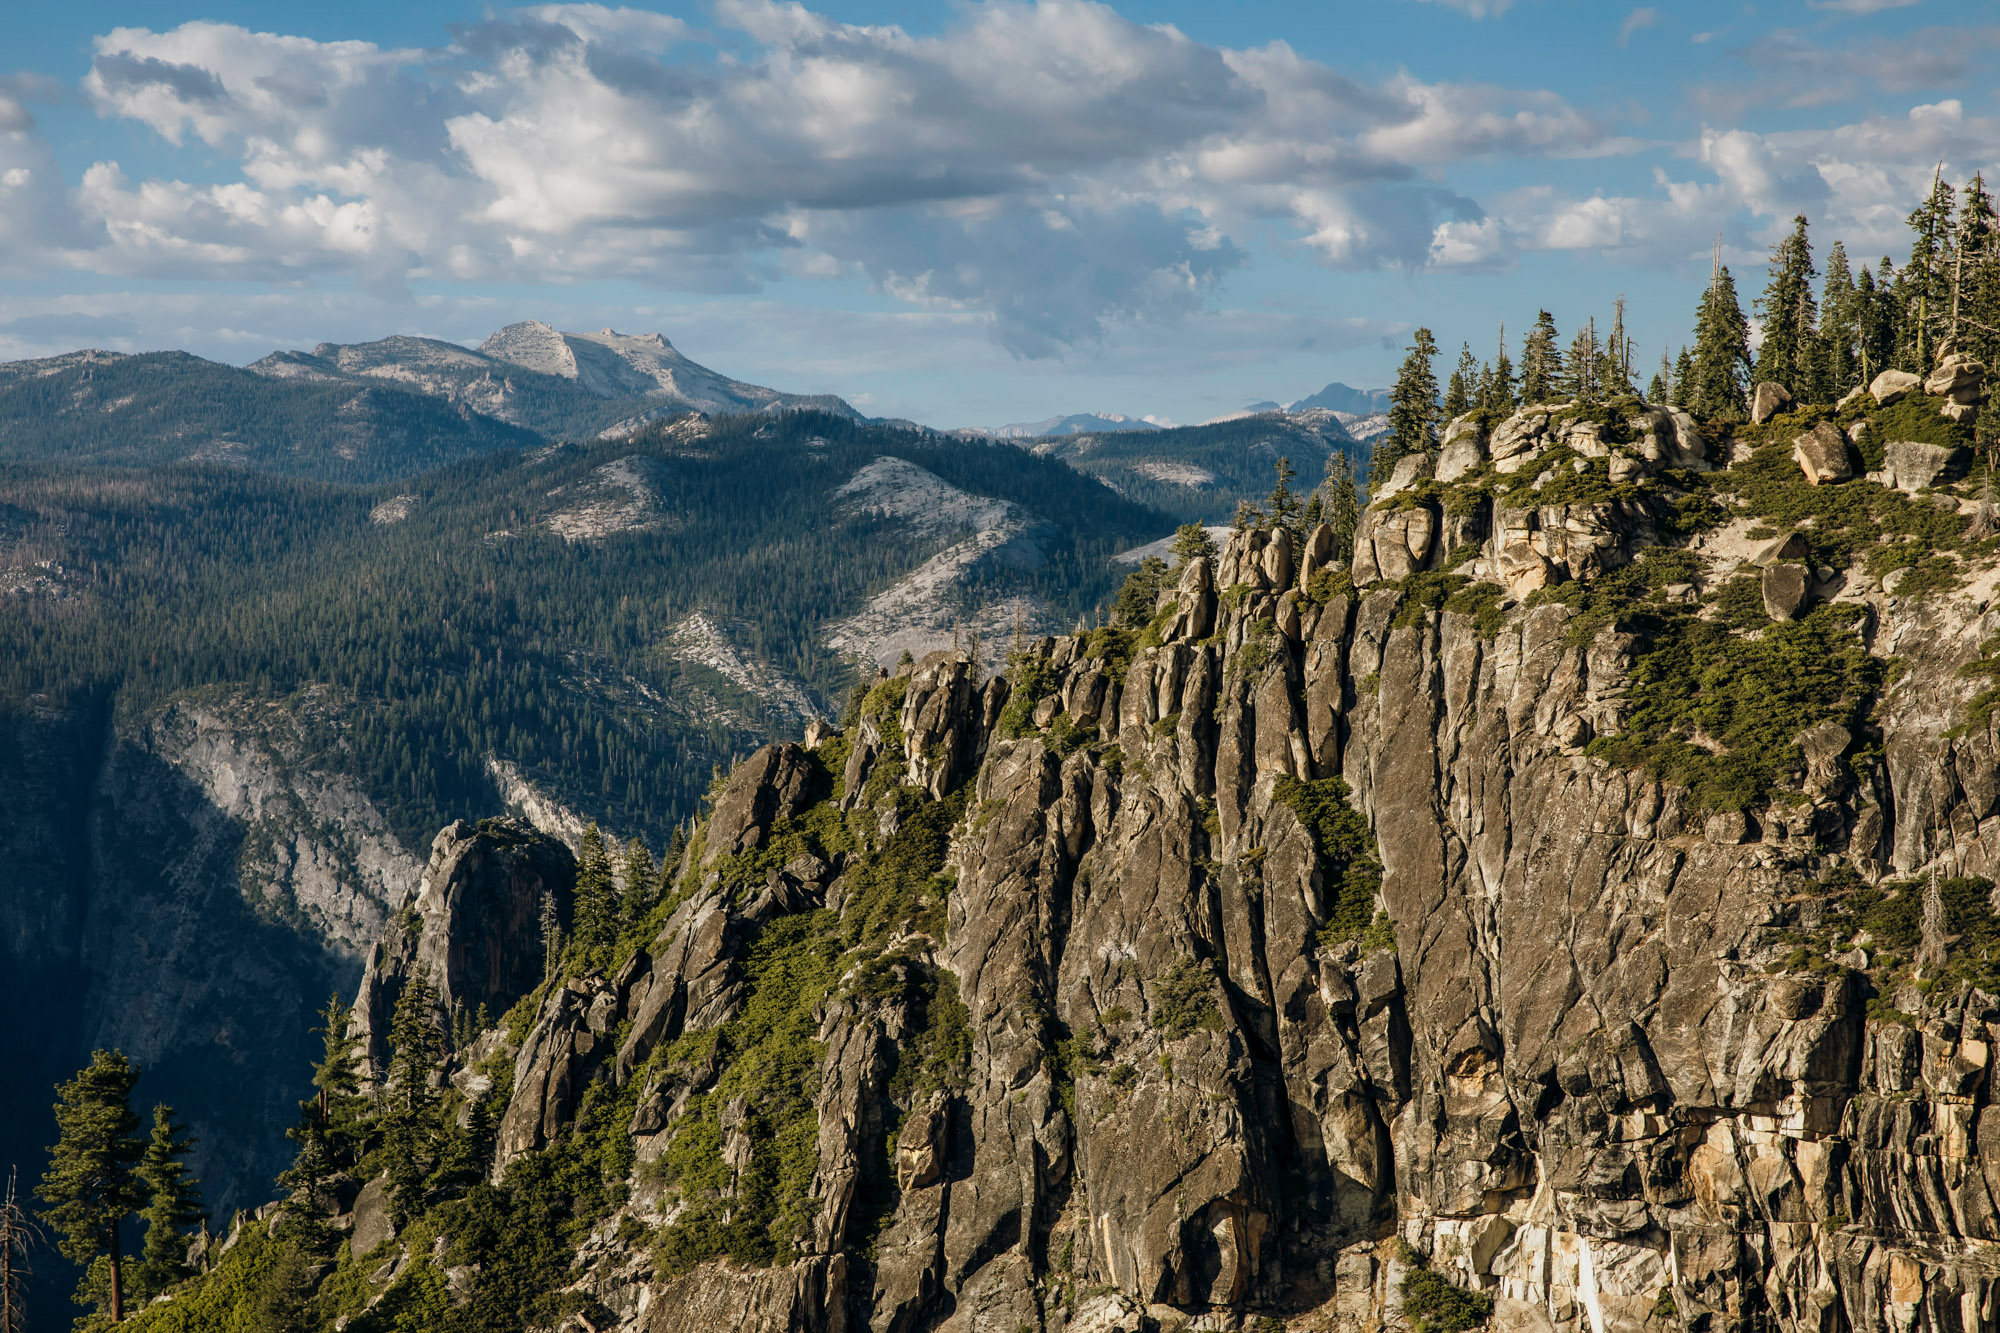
(338, 1104)
(1721, 351)
(1876, 333)
(1924, 285)
(410, 1128)
(1283, 503)
(173, 1203)
(1541, 362)
(1343, 506)
(1584, 378)
(641, 879)
(19, 1234)
(1500, 395)
(1192, 542)
(552, 938)
(1617, 377)
(1247, 516)
(1683, 381)
(595, 914)
(1413, 411)
(91, 1185)
(1790, 315)
(1315, 511)
(1839, 328)
(309, 1197)
(1975, 325)
(1459, 389)
(1140, 593)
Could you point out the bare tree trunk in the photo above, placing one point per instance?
(117, 1287)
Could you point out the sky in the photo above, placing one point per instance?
(964, 213)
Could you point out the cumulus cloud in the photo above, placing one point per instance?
(1052, 165)
(1794, 69)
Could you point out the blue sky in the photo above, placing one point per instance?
(962, 213)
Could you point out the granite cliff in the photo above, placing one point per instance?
(1573, 912)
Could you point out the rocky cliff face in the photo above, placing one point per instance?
(1355, 945)
(188, 885)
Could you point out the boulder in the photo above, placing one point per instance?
(1791, 546)
(373, 1223)
(1786, 589)
(1892, 385)
(1770, 399)
(1409, 471)
(1821, 454)
(1464, 448)
(1911, 465)
(1957, 376)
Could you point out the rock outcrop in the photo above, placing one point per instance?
(1325, 943)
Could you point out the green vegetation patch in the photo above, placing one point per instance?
(1440, 590)
(1184, 1000)
(1721, 713)
(1434, 1304)
(757, 1215)
(1345, 847)
(1842, 519)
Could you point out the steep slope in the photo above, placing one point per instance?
(168, 407)
(234, 708)
(1574, 910)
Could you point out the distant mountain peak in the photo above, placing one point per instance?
(1344, 398)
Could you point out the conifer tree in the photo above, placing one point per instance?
(1459, 388)
(308, 1186)
(1875, 311)
(1617, 377)
(641, 883)
(1283, 503)
(410, 1128)
(1315, 513)
(1343, 506)
(595, 914)
(1140, 593)
(1924, 285)
(552, 937)
(1413, 411)
(1839, 328)
(1721, 351)
(1683, 381)
(338, 1105)
(91, 1185)
(1661, 389)
(1975, 325)
(173, 1204)
(1541, 362)
(1192, 542)
(1247, 516)
(1499, 395)
(1584, 377)
(1790, 316)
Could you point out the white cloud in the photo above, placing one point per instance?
(1642, 17)
(1477, 9)
(1053, 164)
(1862, 6)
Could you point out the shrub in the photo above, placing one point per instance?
(1345, 848)
(1184, 999)
(1433, 1304)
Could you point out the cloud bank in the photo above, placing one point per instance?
(1052, 168)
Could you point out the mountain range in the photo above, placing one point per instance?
(1356, 408)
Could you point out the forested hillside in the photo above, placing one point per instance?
(162, 408)
(1199, 473)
